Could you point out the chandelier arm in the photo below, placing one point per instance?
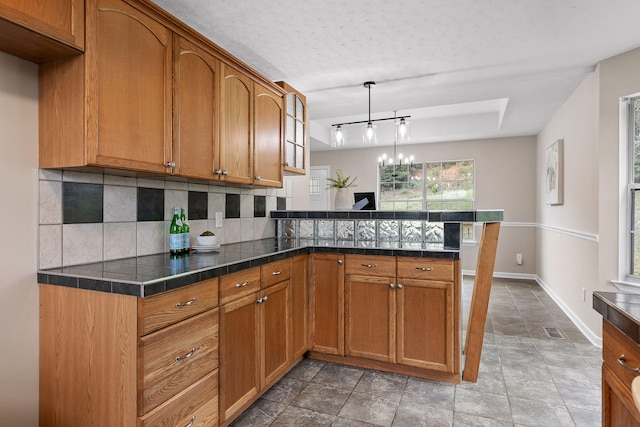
(367, 121)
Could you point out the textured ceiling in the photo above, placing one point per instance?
(423, 54)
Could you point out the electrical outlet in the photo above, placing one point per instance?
(519, 259)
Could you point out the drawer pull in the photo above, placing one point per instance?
(400, 286)
(391, 285)
(277, 273)
(193, 419)
(424, 268)
(621, 361)
(186, 304)
(340, 261)
(242, 285)
(186, 356)
(369, 265)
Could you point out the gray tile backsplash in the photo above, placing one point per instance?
(120, 233)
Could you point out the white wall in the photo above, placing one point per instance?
(567, 242)
(18, 287)
(505, 178)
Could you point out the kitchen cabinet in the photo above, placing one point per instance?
(618, 408)
(327, 303)
(195, 112)
(295, 133)
(268, 133)
(150, 360)
(236, 130)
(254, 335)
(42, 31)
(110, 107)
(370, 307)
(299, 306)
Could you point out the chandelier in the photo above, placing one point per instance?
(369, 135)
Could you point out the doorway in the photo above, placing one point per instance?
(318, 192)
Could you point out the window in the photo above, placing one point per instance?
(634, 187)
(432, 186)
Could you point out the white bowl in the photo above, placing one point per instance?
(207, 240)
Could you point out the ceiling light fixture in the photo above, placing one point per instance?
(401, 132)
(369, 136)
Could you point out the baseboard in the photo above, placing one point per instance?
(588, 333)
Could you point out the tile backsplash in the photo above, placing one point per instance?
(86, 217)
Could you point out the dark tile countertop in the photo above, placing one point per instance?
(622, 310)
(152, 274)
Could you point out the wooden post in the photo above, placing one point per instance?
(480, 300)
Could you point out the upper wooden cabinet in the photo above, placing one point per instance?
(111, 107)
(236, 132)
(267, 122)
(41, 31)
(295, 131)
(195, 111)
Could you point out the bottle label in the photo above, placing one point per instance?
(186, 240)
(175, 241)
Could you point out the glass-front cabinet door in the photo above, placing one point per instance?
(295, 130)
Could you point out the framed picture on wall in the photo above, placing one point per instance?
(554, 178)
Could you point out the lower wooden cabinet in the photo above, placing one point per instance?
(100, 365)
(255, 341)
(327, 303)
(299, 306)
(618, 407)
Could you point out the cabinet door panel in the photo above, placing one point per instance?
(195, 133)
(236, 137)
(327, 304)
(267, 137)
(370, 317)
(239, 349)
(425, 324)
(275, 332)
(133, 90)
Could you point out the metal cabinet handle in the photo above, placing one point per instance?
(277, 273)
(242, 285)
(621, 361)
(193, 419)
(265, 298)
(286, 163)
(186, 356)
(391, 285)
(424, 268)
(370, 265)
(186, 304)
(257, 178)
(218, 171)
(225, 172)
(400, 286)
(171, 164)
(262, 300)
(340, 261)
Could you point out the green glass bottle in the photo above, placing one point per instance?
(175, 234)
(186, 237)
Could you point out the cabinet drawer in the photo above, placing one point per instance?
(175, 357)
(615, 345)
(368, 265)
(161, 310)
(425, 268)
(275, 272)
(198, 403)
(236, 285)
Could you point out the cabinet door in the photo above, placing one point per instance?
(618, 406)
(130, 120)
(327, 303)
(42, 30)
(239, 352)
(267, 122)
(370, 317)
(236, 137)
(195, 119)
(295, 134)
(425, 324)
(299, 306)
(274, 324)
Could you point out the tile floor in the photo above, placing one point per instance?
(525, 379)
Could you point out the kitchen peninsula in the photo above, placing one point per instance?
(138, 340)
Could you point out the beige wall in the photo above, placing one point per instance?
(567, 242)
(18, 287)
(505, 178)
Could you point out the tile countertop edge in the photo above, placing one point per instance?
(621, 310)
(166, 283)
